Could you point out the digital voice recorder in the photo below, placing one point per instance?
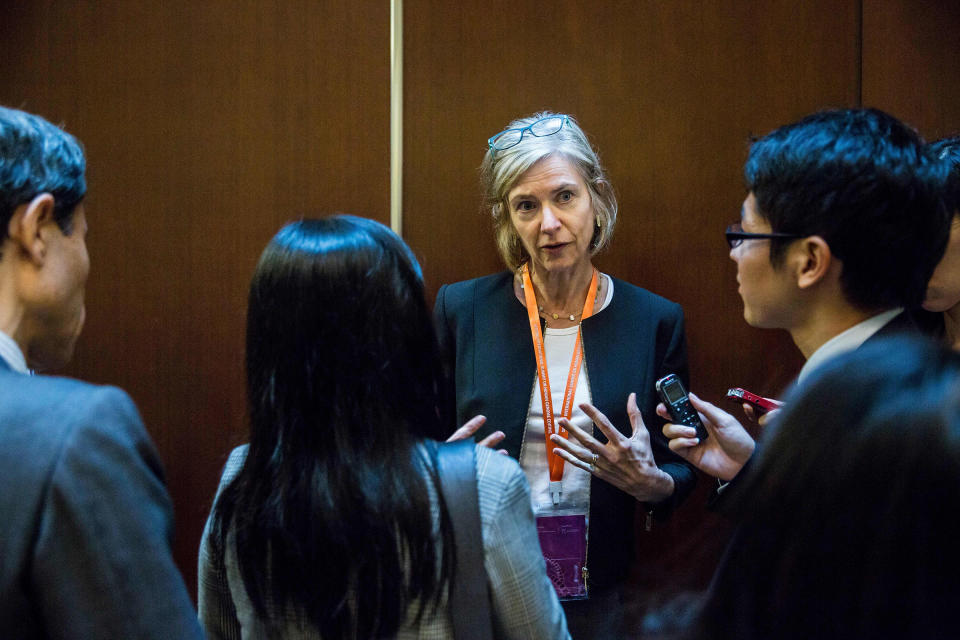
(675, 398)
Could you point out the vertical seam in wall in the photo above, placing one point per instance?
(396, 116)
(860, 53)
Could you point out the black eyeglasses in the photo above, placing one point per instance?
(736, 235)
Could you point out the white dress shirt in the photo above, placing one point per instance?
(847, 341)
(10, 352)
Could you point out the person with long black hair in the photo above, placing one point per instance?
(330, 524)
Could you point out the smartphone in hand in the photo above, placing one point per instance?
(674, 396)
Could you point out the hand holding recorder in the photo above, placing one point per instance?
(675, 399)
(724, 453)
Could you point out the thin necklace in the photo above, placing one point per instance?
(547, 315)
(556, 316)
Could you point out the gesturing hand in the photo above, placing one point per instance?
(724, 453)
(470, 428)
(626, 463)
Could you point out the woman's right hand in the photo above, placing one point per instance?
(470, 427)
(724, 453)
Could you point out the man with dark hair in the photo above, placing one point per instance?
(842, 226)
(85, 519)
(863, 182)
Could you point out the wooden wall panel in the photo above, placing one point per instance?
(669, 93)
(207, 125)
(910, 62)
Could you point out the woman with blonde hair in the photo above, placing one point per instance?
(541, 346)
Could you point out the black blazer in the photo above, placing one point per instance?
(731, 605)
(905, 323)
(637, 339)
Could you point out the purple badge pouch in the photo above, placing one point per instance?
(563, 541)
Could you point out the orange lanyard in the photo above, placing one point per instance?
(550, 427)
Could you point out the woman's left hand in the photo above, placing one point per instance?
(626, 463)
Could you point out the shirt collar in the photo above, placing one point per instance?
(847, 340)
(11, 354)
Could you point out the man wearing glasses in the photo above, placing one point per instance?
(841, 229)
(839, 234)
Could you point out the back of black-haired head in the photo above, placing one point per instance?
(343, 380)
(867, 184)
(337, 315)
(847, 520)
(37, 157)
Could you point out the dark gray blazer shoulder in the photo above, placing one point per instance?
(85, 518)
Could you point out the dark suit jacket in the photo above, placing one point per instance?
(85, 519)
(729, 604)
(637, 339)
(904, 323)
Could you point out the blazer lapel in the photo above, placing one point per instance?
(504, 359)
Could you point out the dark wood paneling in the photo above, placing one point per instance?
(669, 93)
(207, 125)
(911, 62)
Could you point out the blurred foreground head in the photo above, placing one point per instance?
(847, 521)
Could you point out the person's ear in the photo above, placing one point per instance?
(811, 260)
(603, 188)
(26, 227)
